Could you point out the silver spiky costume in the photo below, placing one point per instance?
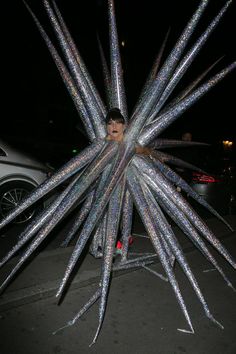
(107, 178)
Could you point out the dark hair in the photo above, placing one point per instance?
(114, 114)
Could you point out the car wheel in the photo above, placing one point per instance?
(11, 194)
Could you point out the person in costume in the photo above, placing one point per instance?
(115, 124)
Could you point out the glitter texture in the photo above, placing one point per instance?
(108, 178)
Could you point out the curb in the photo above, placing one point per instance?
(27, 295)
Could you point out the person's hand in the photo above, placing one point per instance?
(143, 150)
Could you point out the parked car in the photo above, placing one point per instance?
(218, 184)
(19, 175)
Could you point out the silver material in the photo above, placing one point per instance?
(82, 84)
(124, 155)
(153, 72)
(70, 168)
(127, 216)
(164, 75)
(144, 209)
(79, 219)
(162, 122)
(113, 177)
(117, 84)
(36, 224)
(113, 218)
(67, 79)
(180, 182)
(106, 75)
(170, 143)
(80, 60)
(157, 179)
(190, 87)
(186, 62)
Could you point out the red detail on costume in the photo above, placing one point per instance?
(131, 240)
(119, 245)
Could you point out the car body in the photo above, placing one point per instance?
(218, 189)
(217, 184)
(19, 175)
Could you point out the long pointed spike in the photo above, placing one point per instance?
(77, 74)
(118, 90)
(184, 224)
(95, 213)
(99, 236)
(80, 217)
(106, 74)
(73, 166)
(66, 204)
(155, 128)
(85, 308)
(159, 84)
(175, 196)
(191, 86)
(35, 225)
(154, 70)
(79, 59)
(180, 182)
(67, 79)
(112, 229)
(173, 160)
(97, 244)
(187, 60)
(138, 264)
(172, 143)
(127, 216)
(162, 224)
(142, 204)
(159, 275)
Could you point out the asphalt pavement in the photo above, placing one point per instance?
(142, 315)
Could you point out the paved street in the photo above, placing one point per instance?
(142, 315)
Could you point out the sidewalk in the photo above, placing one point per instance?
(42, 275)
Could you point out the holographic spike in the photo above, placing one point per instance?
(79, 219)
(162, 122)
(35, 225)
(186, 62)
(80, 60)
(190, 87)
(171, 143)
(171, 240)
(180, 182)
(82, 85)
(67, 79)
(177, 198)
(110, 177)
(113, 219)
(172, 160)
(117, 84)
(126, 223)
(106, 74)
(75, 165)
(143, 207)
(185, 225)
(154, 70)
(164, 75)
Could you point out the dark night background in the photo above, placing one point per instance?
(39, 115)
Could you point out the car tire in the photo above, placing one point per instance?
(11, 194)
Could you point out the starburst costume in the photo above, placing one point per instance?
(108, 177)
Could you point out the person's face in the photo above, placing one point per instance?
(115, 130)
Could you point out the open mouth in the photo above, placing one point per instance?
(114, 131)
